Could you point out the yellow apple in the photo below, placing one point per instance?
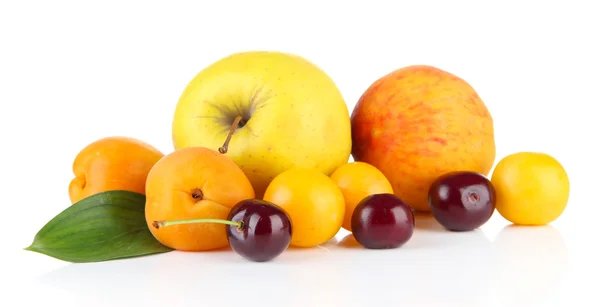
(289, 114)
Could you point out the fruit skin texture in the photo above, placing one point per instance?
(358, 180)
(382, 221)
(266, 230)
(194, 183)
(293, 115)
(112, 163)
(419, 122)
(312, 200)
(462, 201)
(532, 188)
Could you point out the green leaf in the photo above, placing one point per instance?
(105, 226)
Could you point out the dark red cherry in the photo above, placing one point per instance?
(264, 233)
(382, 221)
(462, 201)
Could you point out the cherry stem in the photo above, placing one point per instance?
(473, 197)
(163, 223)
(223, 149)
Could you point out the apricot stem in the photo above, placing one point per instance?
(197, 194)
(163, 223)
(223, 149)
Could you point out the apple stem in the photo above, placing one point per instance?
(236, 122)
(163, 223)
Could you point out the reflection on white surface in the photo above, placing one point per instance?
(530, 263)
(439, 268)
(435, 268)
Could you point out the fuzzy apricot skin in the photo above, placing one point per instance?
(170, 189)
(112, 163)
(358, 180)
(314, 203)
(532, 188)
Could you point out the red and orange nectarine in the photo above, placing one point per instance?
(419, 122)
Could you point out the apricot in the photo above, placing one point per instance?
(194, 183)
(358, 180)
(532, 188)
(112, 163)
(313, 202)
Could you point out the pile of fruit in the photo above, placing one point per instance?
(261, 162)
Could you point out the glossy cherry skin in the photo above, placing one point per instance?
(266, 230)
(382, 221)
(462, 201)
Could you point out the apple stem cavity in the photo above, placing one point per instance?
(223, 149)
(164, 223)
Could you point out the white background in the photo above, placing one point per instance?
(73, 72)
